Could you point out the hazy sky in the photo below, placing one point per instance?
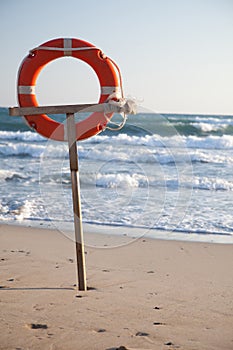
(175, 55)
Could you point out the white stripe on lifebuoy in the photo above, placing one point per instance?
(26, 90)
(108, 90)
(67, 47)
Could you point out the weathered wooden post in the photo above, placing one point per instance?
(69, 110)
(78, 228)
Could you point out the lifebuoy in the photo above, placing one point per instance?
(107, 73)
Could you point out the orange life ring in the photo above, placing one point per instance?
(107, 73)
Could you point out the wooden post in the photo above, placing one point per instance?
(79, 244)
(69, 110)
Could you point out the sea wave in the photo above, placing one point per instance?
(150, 149)
(137, 180)
(176, 141)
(212, 184)
(27, 136)
(113, 180)
(21, 149)
(150, 140)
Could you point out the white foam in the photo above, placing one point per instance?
(212, 184)
(21, 136)
(211, 157)
(11, 175)
(21, 149)
(26, 211)
(172, 142)
(114, 180)
(121, 180)
(207, 127)
(210, 142)
(103, 147)
(5, 173)
(216, 121)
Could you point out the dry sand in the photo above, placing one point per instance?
(147, 294)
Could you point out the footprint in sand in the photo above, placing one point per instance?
(142, 334)
(38, 307)
(158, 324)
(36, 326)
(122, 347)
(101, 330)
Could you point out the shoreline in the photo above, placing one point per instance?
(143, 294)
(131, 232)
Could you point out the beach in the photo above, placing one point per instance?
(125, 139)
(142, 294)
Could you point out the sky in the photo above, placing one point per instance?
(175, 56)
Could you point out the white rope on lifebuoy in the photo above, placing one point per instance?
(123, 106)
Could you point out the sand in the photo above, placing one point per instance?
(146, 294)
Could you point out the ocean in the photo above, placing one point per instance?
(163, 176)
